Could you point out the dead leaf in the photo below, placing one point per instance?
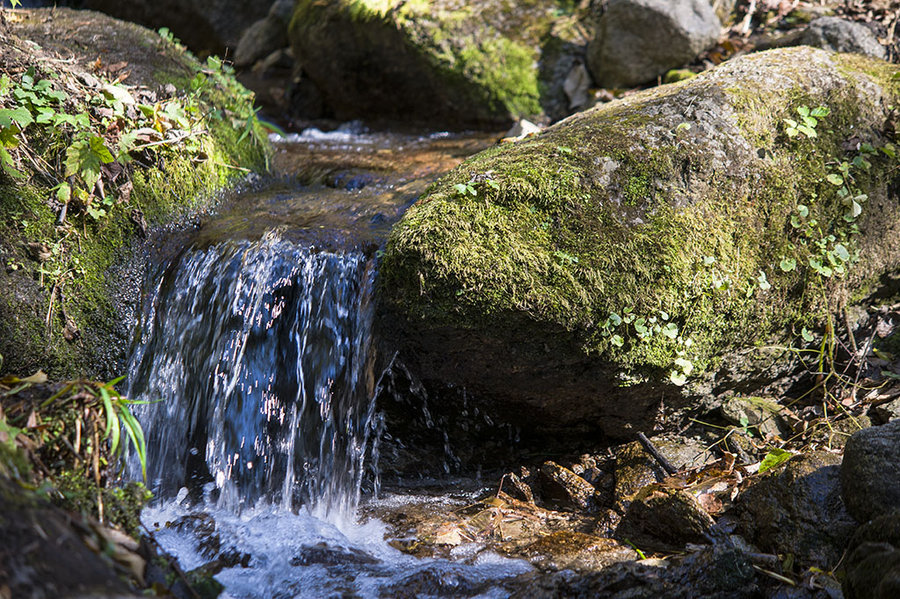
(37, 378)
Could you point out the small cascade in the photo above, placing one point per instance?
(255, 358)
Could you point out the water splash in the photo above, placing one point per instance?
(261, 354)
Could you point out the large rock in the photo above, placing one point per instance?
(836, 34)
(206, 26)
(870, 475)
(440, 62)
(574, 279)
(798, 510)
(639, 40)
(873, 560)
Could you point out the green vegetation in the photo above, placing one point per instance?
(88, 163)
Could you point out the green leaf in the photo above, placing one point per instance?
(763, 281)
(807, 131)
(820, 111)
(788, 264)
(841, 252)
(802, 210)
(670, 330)
(709, 260)
(21, 116)
(807, 336)
(677, 378)
(686, 366)
(803, 111)
(112, 420)
(8, 164)
(617, 340)
(99, 148)
(773, 459)
(835, 179)
(460, 188)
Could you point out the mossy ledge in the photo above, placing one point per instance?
(441, 63)
(58, 313)
(670, 209)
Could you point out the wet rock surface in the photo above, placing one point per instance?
(798, 509)
(873, 560)
(870, 474)
(663, 519)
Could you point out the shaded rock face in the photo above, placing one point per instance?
(833, 33)
(839, 35)
(873, 562)
(664, 520)
(870, 474)
(639, 40)
(205, 26)
(799, 510)
(440, 63)
(36, 568)
(647, 204)
(719, 572)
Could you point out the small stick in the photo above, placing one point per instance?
(651, 449)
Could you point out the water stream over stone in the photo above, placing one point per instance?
(255, 357)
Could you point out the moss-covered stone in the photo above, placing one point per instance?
(633, 245)
(430, 61)
(59, 313)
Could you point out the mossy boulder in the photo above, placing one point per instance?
(431, 61)
(576, 280)
(60, 307)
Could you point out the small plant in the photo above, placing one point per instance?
(809, 119)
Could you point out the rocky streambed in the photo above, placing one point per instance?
(647, 351)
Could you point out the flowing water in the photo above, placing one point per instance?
(256, 357)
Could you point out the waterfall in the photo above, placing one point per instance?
(256, 360)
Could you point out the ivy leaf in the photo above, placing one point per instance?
(20, 116)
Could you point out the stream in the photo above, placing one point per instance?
(255, 356)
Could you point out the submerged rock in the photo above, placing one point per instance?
(870, 474)
(799, 511)
(597, 267)
(639, 40)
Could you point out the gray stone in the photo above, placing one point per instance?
(888, 411)
(870, 475)
(565, 488)
(639, 40)
(832, 33)
(260, 40)
(798, 510)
